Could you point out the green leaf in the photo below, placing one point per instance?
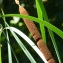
(39, 12)
(19, 42)
(0, 54)
(47, 24)
(9, 49)
(50, 32)
(30, 43)
(23, 47)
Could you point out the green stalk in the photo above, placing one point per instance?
(40, 16)
(0, 49)
(0, 54)
(9, 48)
(47, 24)
(50, 32)
(0, 42)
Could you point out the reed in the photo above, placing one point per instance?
(40, 39)
(36, 35)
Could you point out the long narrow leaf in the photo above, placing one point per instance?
(48, 25)
(23, 47)
(50, 32)
(0, 43)
(30, 43)
(20, 44)
(40, 2)
(9, 50)
(15, 55)
(0, 54)
(39, 12)
(55, 46)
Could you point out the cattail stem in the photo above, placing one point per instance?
(36, 35)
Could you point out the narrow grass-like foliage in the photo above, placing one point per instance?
(9, 48)
(0, 42)
(20, 44)
(29, 42)
(43, 22)
(47, 24)
(50, 32)
(40, 16)
(0, 54)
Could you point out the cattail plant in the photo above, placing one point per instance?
(40, 47)
(36, 35)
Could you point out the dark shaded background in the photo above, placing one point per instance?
(54, 9)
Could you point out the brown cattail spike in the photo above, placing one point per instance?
(44, 49)
(30, 25)
(37, 37)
